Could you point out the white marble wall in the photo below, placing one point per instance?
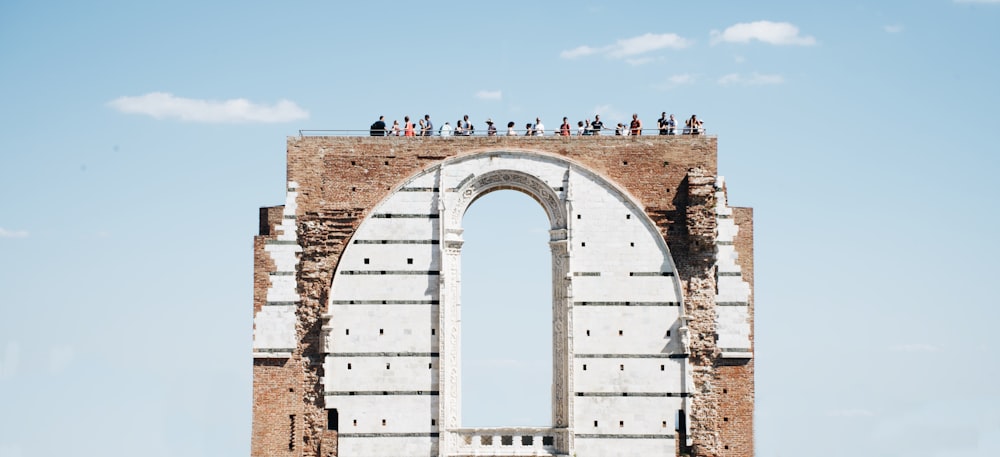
(732, 300)
(618, 284)
(274, 326)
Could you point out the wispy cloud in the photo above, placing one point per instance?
(628, 48)
(639, 61)
(777, 33)
(915, 347)
(162, 105)
(609, 115)
(674, 81)
(4, 233)
(754, 79)
(579, 51)
(893, 28)
(489, 95)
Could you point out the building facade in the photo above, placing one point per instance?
(357, 310)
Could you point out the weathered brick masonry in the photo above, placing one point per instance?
(341, 179)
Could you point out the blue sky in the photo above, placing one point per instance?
(139, 140)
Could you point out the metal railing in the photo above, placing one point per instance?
(606, 132)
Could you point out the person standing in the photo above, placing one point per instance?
(510, 129)
(693, 125)
(662, 124)
(491, 130)
(407, 126)
(635, 127)
(528, 130)
(671, 126)
(467, 128)
(378, 128)
(564, 128)
(428, 126)
(539, 127)
(395, 127)
(597, 125)
(445, 130)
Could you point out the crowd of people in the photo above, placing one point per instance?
(424, 127)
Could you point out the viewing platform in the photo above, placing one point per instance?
(606, 133)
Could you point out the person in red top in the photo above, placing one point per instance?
(564, 128)
(408, 127)
(635, 128)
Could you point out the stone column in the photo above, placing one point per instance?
(562, 342)
(449, 321)
(449, 343)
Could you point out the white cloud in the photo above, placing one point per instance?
(915, 347)
(893, 28)
(579, 51)
(731, 78)
(639, 61)
(161, 105)
(628, 47)
(754, 79)
(4, 233)
(778, 33)
(674, 81)
(489, 95)
(610, 115)
(647, 43)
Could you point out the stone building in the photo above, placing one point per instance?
(357, 298)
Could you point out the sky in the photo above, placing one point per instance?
(139, 140)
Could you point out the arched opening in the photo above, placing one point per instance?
(506, 313)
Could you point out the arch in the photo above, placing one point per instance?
(468, 191)
(474, 187)
(421, 221)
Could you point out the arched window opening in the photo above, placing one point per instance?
(506, 312)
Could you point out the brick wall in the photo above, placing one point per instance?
(735, 379)
(340, 179)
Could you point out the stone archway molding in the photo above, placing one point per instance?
(468, 191)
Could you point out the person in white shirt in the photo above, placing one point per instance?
(510, 129)
(539, 128)
(445, 129)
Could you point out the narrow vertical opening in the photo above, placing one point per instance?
(508, 232)
(332, 419)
